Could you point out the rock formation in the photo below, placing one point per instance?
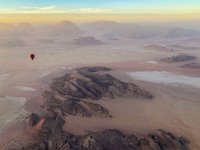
(50, 136)
(179, 58)
(92, 84)
(73, 106)
(87, 40)
(72, 94)
(192, 65)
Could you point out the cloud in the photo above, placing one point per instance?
(26, 9)
(94, 10)
(38, 9)
(54, 9)
(46, 8)
(6, 9)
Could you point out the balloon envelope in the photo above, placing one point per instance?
(32, 56)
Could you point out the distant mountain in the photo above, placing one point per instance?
(67, 23)
(5, 26)
(5, 29)
(24, 28)
(16, 30)
(128, 30)
(87, 40)
(103, 25)
(106, 29)
(178, 32)
(65, 28)
(140, 30)
(11, 43)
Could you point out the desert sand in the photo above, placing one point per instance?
(174, 108)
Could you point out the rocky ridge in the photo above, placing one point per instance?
(50, 136)
(69, 93)
(192, 65)
(179, 58)
(87, 40)
(74, 94)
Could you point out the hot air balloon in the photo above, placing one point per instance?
(32, 56)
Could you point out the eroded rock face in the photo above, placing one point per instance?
(73, 106)
(179, 58)
(88, 40)
(71, 98)
(111, 139)
(70, 93)
(50, 136)
(32, 119)
(93, 69)
(90, 83)
(114, 139)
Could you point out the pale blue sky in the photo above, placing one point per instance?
(98, 3)
(88, 10)
(47, 5)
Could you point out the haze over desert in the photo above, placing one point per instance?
(107, 78)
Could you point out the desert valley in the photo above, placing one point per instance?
(147, 86)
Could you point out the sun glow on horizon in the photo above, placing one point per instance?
(38, 11)
(88, 17)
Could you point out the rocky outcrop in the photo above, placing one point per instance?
(87, 40)
(70, 95)
(192, 65)
(73, 106)
(93, 69)
(179, 58)
(52, 137)
(92, 84)
(114, 139)
(32, 119)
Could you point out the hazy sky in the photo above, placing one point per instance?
(107, 9)
(124, 5)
